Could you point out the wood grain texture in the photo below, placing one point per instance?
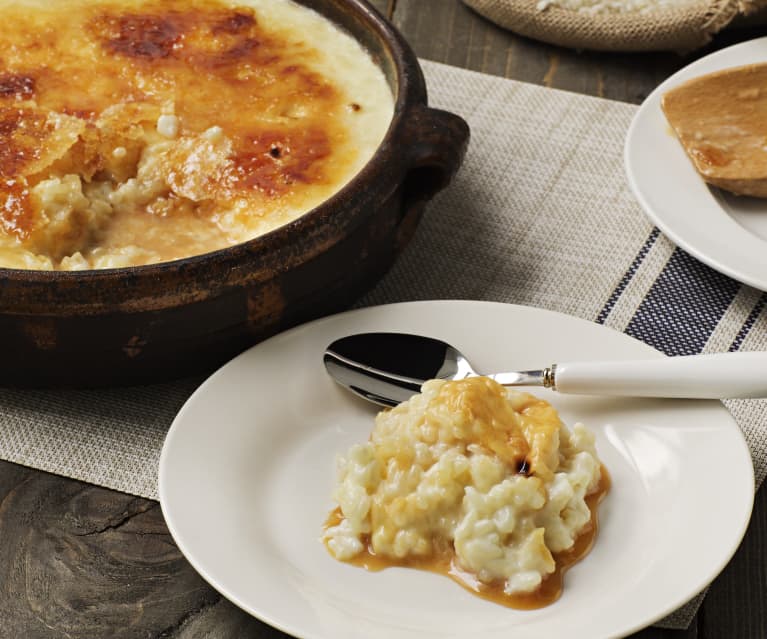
(448, 31)
(80, 561)
(736, 605)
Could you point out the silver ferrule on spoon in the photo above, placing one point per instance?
(544, 377)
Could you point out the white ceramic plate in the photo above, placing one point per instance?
(248, 467)
(727, 232)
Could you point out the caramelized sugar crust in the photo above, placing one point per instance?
(255, 126)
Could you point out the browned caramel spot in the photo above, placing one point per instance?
(212, 40)
(355, 107)
(141, 36)
(10, 121)
(13, 85)
(15, 209)
(83, 114)
(443, 561)
(711, 156)
(21, 133)
(272, 162)
(234, 23)
(239, 51)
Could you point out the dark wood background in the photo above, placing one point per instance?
(82, 562)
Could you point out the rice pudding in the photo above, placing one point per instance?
(134, 132)
(477, 481)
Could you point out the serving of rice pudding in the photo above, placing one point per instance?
(134, 132)
(480, 482)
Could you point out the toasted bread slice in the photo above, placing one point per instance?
(721, 121)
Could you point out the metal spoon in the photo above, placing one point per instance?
(388, 368)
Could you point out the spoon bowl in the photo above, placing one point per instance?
(389, 368)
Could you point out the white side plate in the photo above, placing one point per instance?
(727, 232)
(247, 470)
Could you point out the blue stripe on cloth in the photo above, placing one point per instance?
(683, 306)
(627, 277)
(749, 323)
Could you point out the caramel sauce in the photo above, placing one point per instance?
(443, 561)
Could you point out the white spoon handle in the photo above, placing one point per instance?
(715, 376)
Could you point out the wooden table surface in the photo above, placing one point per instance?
(83, 562)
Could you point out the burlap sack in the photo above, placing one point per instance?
(682, 28)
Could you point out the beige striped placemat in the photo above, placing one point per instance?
(540, 214)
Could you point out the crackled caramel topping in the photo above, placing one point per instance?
(83, 84)
(16, 210)
(524, 434)
(481, 402)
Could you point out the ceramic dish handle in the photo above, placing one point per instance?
(714, 376)
(435, 143)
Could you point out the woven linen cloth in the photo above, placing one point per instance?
(540, 214)
(681, 26)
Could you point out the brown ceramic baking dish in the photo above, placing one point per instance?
(147, 323)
